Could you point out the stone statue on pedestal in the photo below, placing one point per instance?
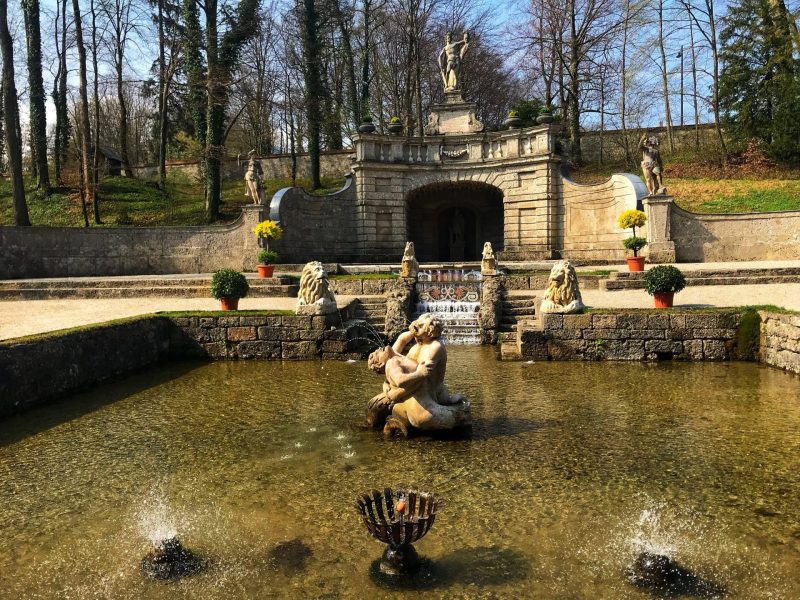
(315, 296)
(409, 267)
(450, 61)
(254, 179)
(488, 261)
(652, 167)
(562, 295)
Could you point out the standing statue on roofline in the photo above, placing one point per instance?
(450, 61)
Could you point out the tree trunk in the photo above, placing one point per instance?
(85, 133)
(61, 137)
(313, 88)
(664, 82)
(715, 83)
(11, 122)
(365, 61)
(694, 88)
(349, 63)
(215, 115)
(96, 102)
(162, 100)
(123, 119)
(38, 117)
(623, 103)
(574, 120)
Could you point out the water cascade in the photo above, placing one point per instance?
(452, 295)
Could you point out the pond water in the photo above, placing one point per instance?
(571, 471)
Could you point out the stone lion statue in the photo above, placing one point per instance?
(562, 295)
(315, 296)
(409, 267)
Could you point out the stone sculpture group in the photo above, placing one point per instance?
(414, 394)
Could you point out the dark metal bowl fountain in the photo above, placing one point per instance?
(398, 518)
(170, 560)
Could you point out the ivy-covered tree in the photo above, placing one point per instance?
(313, 80)
(38, 118)
(222, 52)
(760, 78)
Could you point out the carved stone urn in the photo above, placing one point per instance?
(366, 127)
(398, 518)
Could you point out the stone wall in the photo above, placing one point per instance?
(333, 163)
(73, 252)
(634, 335)
(780, 340)
(42, 368)
(590, 215)
(264, 337)
(317, 227)
(747, 236)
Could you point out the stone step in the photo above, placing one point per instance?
(518, 311)
(510, 351)
(274, 291)
(637, 283)
(705, 273)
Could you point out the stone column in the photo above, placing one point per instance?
(252, 215)
(491, 308)
(660, 247)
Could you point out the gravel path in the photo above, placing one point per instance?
(18, 318)
(26, 317)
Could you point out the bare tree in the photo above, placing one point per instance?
(85, 132)
(11, 122)
(38, 118)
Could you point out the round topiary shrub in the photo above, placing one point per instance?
(267, 257)
(664, 278)
(228, 283)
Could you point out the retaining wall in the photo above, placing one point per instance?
(29, 252)
(780, 341)
(634, 336)
(731, 237)
(43, 368)
(334, 163)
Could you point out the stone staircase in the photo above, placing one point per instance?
(516, 307)
(168, 286)
(635, 281)
(371, 309)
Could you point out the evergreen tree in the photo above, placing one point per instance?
(760, 78)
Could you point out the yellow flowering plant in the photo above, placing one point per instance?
(268, 230)
(631, 219)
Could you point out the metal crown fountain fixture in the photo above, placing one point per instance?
(398, 518)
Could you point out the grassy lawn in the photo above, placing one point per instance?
(139, 202)
(735, 195)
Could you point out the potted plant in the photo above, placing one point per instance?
(631, 219)
(227, 286)
(395, 126)
(266, 231)
(662, 283)
(266, 260)
(366, 125)
(514, 120)
(545, 115)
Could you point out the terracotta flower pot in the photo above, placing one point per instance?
(635, 263)
(663, 299)
(265, 271)
(229, 303)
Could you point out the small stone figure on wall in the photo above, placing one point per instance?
(450, 61)
(254, 179)
(488, 261)
(409, 267)
(562, 295)
(652, 167)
